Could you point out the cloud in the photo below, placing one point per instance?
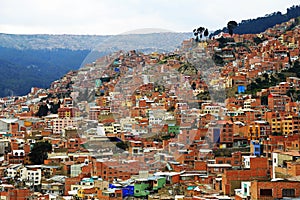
(117, 16)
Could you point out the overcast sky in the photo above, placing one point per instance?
(118, 16)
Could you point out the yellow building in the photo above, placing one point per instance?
(276, 125)
(258, 130)
(290, 125)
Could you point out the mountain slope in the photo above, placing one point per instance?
(22, 69)
(261, 24)
(42, 59)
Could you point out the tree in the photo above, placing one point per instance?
(43, 110)
(230, 26)
(206, 32)
(264, 100)
(39, 152)
(257, 40)
(198, 33)
(194, 86)
(54, 107)
(122, 145)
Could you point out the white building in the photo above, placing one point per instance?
(76, 169)
(127, 123)
(5, 124)
(246, 161)
(211, 109)
(32, 175)
(156, 116)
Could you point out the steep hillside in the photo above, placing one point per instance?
(22, 69)
(261, 24)
(41, 59)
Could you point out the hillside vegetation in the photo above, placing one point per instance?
(261, 24)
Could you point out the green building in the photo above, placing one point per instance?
(141, 188)
(157, 182)
(173, 129)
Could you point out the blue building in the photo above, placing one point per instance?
(256, 148)
(127, 190)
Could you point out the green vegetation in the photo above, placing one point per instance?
(224, 41)
(269, 80)
(122, 145)
(188, 69)
(257, 40)
(39, 152)
(261, 24)
(228, 151)
(218, 60)
(203, 96)
(44, 109)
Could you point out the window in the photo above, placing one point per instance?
(265, 192)
(288, 192)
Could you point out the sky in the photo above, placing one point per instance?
(112, 17)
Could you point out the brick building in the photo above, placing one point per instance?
(231, 179)
(274, 189)
(277, 102)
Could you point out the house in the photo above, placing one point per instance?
(60, 124)
(258, 170)
(277, 102)
(285, 164)
(274, 189)
(55, 188)
(256, 147)
(258, 130)
(16, 194)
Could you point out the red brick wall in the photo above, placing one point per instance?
(276, 187)
(200, 165)
(108, 171)
(19, 194)
(259, 163)
(69, 182)
(230, 178)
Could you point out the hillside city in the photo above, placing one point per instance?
(214, 119)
